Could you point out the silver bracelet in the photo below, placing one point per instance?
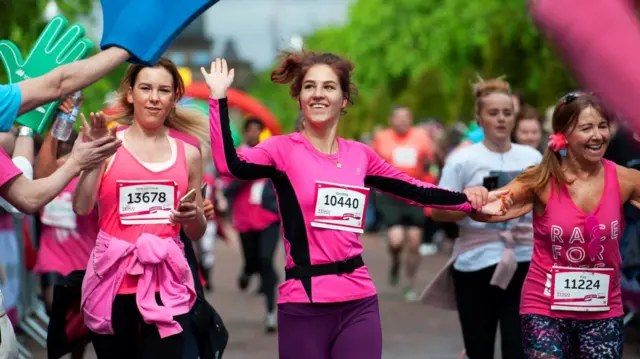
(25, 131)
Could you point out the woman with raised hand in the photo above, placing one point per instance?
(328, 306)
(138, 288)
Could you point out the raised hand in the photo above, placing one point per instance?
(98, 127)
(219, 79)
(89, 154)
(52, 49)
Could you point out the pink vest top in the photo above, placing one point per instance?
(63, 249)
(126, 167)
(561, 238)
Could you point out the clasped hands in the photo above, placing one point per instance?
(492, 203)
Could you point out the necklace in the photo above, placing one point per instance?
(338, 164)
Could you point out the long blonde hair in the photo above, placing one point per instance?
(181, 118)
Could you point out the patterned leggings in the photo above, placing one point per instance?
(551, 338)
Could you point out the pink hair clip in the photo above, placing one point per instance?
(558, 143)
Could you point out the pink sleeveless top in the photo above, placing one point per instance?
(561, 239)
(63, 248)
(126, 167)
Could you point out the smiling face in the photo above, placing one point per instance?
(152, 96)
(321, 98)
(497, 117)
(588, 140)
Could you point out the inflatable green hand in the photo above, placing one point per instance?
(52, 49)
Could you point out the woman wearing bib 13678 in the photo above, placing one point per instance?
(327, 305)
(138, 287)
(571, 304)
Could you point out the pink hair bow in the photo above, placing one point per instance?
(558, 143)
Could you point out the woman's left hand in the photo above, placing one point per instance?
(478, 196)
(185, 213)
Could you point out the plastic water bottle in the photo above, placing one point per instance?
(64, 122)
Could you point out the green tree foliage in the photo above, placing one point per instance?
(21, 22)
(426, 53)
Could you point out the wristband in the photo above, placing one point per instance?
(25, 131)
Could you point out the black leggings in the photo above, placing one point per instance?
(258, 248)
(135, 339)
(482, 306)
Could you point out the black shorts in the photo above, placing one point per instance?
(394, 212)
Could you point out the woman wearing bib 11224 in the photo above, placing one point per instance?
(138, 287)
(571, 304)
(327, 305)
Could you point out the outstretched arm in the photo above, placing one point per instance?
(253, 163)
(69, 78)
(382, 176)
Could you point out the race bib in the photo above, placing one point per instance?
(580, 289)
(404, 157)
(340, 207)
(59, 212)
(256, 192)
(146, 202)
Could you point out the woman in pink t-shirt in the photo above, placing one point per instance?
(327, 305)
(571, 303)
(66, 239)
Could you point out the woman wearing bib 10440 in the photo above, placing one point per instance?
(319, 179)
(571, 304)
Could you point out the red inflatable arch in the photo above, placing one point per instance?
(240, 100)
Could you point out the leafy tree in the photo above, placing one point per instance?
(425, 54)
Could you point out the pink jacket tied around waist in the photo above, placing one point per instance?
(159, 263)
(440, 292)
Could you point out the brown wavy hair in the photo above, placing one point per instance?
(565, 119)
(294, 66)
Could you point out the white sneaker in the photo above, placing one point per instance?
(428, 249)
(271, 323)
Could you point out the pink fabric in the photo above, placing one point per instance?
(153, 260)
(600, 40)
(8, 170)
(561, 239)
(247, 216)
(63, 250)
(301, 165)
(127, 168)
(440, 292)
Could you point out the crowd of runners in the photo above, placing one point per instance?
(537, 210)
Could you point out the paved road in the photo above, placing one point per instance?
(411, 331)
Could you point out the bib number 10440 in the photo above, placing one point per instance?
(146, 202)
(340, 207)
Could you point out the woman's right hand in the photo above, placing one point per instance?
(98, 128)
(219, 79)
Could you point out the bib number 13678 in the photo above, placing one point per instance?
(146, 202)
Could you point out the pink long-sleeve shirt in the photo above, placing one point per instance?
(309, 184)
(157, 262)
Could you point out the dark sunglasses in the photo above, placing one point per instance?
(571, 96)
